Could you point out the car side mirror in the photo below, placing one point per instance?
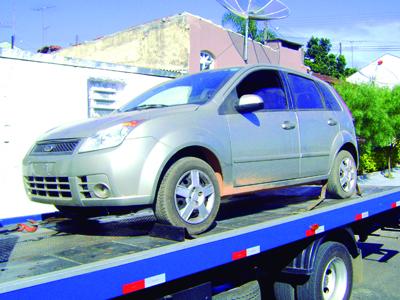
(249, 103)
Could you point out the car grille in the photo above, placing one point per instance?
(56, 146)
(49, 187)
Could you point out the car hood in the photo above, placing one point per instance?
(91, 126)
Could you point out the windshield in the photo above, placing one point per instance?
(193, 89)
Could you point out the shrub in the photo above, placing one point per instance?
(376, 112)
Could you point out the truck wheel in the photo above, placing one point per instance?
(188, 196)
(342, 180)
(283, 291)
(332, 277)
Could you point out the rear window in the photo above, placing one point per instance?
(330, 100)
(305, 93)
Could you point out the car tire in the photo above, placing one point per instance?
(188, 196)
(342, 181)
(332, 277)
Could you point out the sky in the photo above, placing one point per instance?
(365, 29)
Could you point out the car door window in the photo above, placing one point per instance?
(267, 85)
(305, 93)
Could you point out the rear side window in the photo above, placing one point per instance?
(330, 100)
(305, 93)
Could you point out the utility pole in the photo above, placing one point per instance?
(340, 48)
(352, 53)
(44, 27)
(14, 22)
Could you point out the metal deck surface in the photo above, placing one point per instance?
(63, 243)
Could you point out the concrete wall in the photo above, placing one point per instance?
(39, 92)
(175, 43)
(161, 44)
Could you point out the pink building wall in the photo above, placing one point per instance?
(227, 48)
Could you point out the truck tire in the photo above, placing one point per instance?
(283, 291)
(188, 196)
(332, 277)
(342, 180)
(248, 291)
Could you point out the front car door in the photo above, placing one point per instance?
(264, 143)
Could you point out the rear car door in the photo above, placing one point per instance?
(318, 126)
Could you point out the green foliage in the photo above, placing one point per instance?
(377, 118)
(367, 162)
(239, 25)
(320, 60)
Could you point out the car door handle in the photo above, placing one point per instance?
(288, 125)
(332, 122)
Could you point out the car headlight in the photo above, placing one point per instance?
(107, 138)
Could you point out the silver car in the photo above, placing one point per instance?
(183, 145)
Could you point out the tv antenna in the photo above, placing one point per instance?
(264, 10)
(42, 10)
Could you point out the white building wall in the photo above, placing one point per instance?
(39, 92)
(383, 72)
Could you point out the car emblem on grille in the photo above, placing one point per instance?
(48, 148)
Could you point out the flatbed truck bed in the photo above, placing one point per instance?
(115, 255)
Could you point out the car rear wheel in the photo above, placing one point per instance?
(188, 196)
(342, 180)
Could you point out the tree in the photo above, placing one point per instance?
(239, 25)
(377, 118)
(320, 60)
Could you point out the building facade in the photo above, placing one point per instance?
(39, 92)
(185, 43)
(383, 72)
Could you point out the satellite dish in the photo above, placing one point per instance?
(255, 10)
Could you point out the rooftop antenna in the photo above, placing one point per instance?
(2, 25)
(42, 10)
(265, 10)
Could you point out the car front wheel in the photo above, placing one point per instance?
(188, 196)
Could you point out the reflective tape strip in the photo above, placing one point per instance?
(315, 229)
(144, 283)
(245, 253)
(361, 216)
(396, 204)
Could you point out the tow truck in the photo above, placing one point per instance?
(282, 244)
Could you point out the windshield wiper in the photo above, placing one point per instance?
(146, 106)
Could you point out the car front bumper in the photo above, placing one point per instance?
(109, 177)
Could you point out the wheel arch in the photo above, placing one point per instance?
(352, 149)
(304, 262)
(200, 152)
(344, 236)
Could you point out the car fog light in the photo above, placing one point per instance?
(101, 190)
